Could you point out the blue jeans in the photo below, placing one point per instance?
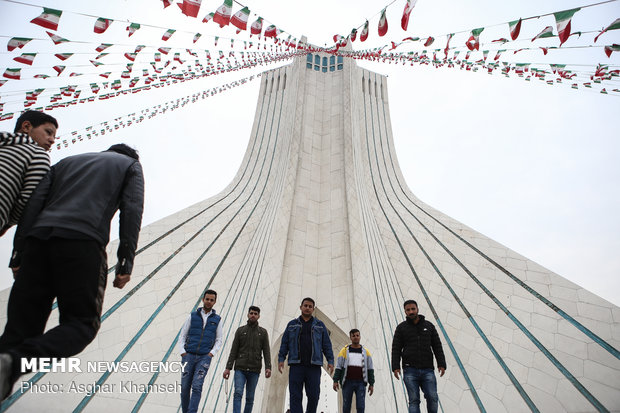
(348, 388)
(298, 377)
(424, 378)
(249, 379)
(191, 380)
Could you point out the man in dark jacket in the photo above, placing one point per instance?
(305, 341)
(59, 252)
(415, 342)
(250, 341)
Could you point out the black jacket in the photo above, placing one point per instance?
(251, 341)
(413, 343)
(81, 194)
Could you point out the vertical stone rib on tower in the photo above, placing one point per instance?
(320, 208)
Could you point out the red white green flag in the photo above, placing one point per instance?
(196, 37)
(55, 38)
(208, 17)
(102, 47)
(614, 26)
(473, 43)
(168, 34)
(166, 3)
(164, 50)
(515, 29)
(404, 21)
(102, 24)
(353, 35)
(364, 34)
(445, 51)
(240, 19)
(96, 63)
(610, 49)
(14, 74)
(59, 69)
(17, 42)
(429, 41)
(272, 31)
(131, 56)
(25, 58)
(563, 22)
(48, 19)
(546, 32)
(257, 26)
(383, 23)
(223, 13)
(132, 28)
(63, 56)
(190, 7)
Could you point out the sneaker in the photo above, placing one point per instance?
(6, 371)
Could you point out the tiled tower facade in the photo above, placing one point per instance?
(320, 208)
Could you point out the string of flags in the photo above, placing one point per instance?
(106, 127)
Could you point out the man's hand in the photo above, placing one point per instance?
(226, 374)
(267, 373)
(120, 280)
(371, 388)
(280, 366)
(330, 368)
(442, 370)
(397, 374)
(335, 386)
(183, 355)
(210, 355)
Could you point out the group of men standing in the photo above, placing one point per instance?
(306, 342)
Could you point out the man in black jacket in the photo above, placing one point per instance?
(415, 341)
(59, 252)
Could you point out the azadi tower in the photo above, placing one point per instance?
(320, 208)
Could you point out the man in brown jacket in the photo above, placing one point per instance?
(249, 342)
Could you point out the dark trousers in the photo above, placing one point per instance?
(75, 272)
(304, 376)
(349, 388)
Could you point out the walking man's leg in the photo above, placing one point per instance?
(200, 372)
(347, 396)
(240, 380)
(295, 387)
(360, 396)
(250, 388)
(186, 380)
(428, 383)
(313, 387)
(412, 383)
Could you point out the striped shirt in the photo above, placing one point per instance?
(22, 166)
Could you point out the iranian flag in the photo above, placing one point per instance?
(106, 74)
(515, 29)
(485, 54)
(166, 3)
(131, 56)
(364, 34)
(353, 35)
(132, 28)
(96, 63)
(48, 19)
(12, 74)
(257, 26)
(499, 53)
(404, 21)
(102, 47)
(222, 14)
(59, 69)
(473, 43)
(217, 38)
(383, 23)
(168, 34)
(164, 50)
(240, 19)
(429, 41)
(208, 17)
(17, 42)
(272, 31)
(196, 37)
(102, 24)
(445, 51)
(190, 7)
(546, 32)
(614, 26)
(610, 49)
(63, 56)
(25, 58)
(562, 21)
(157, 57)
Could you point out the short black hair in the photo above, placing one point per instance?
(35, 118)
(254, 308)
(410, 302)
(125, 150)
(308, 299)
(353, 330)
(209, 292)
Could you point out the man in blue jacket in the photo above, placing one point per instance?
(305, 341)
(199, 341)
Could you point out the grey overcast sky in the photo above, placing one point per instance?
(531, 165)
